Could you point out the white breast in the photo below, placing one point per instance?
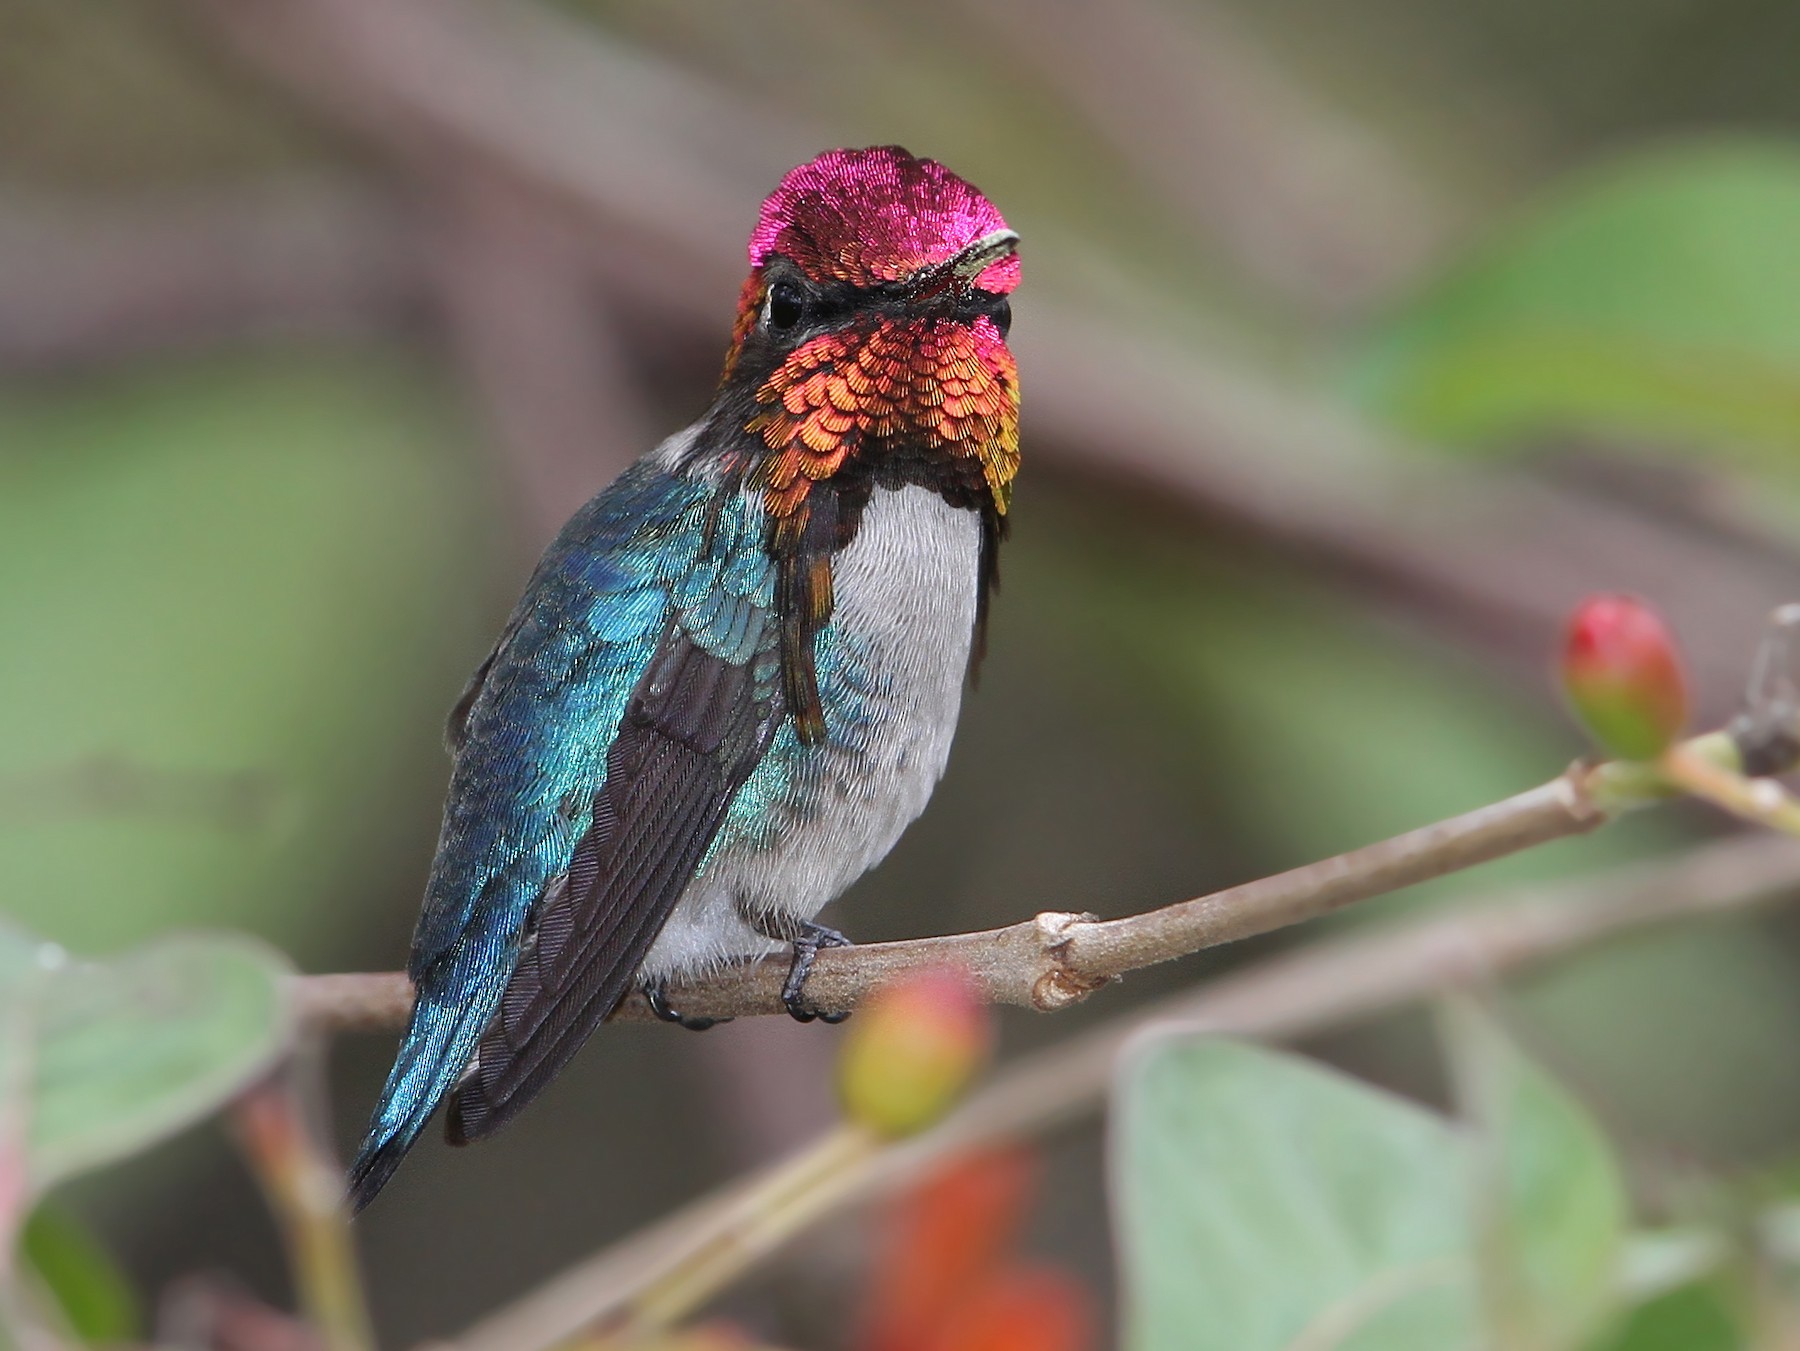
(906, 590)
(904, 593)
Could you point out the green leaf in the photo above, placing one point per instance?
(1693, 1318)
(1266, 1204)
(1655, 297)
(95, 1297)
(121, 1054)
(1550, 1202)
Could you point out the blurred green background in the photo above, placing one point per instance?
(1359, 338)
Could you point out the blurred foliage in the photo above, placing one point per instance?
(1550, 1202)
(1328, 729)
(1661, 1031)
(1694, 1318)
(1264, 1201)
(77, 75)
(93, 1295)
(1546, 80)
(115, 1056)
(240, 590)
(1311, 726)
(1650, 297)
(246, 578)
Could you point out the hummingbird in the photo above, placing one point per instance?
(733, 679)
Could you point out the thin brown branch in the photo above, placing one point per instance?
(1341, 981)
(1325, 985)
(1056, 959)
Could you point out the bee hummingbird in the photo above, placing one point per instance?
(733, 679)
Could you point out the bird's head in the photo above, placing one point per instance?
(872, 328)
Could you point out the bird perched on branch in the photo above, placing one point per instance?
(733, 680)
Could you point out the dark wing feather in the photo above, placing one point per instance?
(993, 532)
(695, 728)
(802, 544)
(456, 726)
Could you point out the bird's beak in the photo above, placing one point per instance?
(982, 254)
(946, 278)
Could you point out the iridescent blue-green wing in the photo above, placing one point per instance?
(696, 728)
(542, 765)
(456, 726)
(698, 721)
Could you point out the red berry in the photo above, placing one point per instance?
(1622, 673)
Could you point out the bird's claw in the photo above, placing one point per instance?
(807, 943)
(657, 997)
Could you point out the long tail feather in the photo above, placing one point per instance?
(448, 1018)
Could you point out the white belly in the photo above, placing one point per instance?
(902, 621)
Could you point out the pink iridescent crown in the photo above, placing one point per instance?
(875, 215)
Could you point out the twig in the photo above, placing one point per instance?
(1057, 959)
(304, 1188)
(1328, 984)
(784, 1200)
(1762, 801)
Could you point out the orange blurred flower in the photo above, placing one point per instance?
(947, 1279)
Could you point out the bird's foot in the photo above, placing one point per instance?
(657, 997)
(807, 943)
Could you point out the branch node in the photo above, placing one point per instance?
(1058, 989)
(1053, 927)
(1576, 788)
(1060, 985)
(1768, 743)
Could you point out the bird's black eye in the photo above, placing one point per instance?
(786, 306)
(996, 309)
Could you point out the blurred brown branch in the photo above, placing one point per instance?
(89, 281)
(531, 324)
(644, 175)
(1057, 959)
(113, 785)
(1302, 197)
(1492, 557)
(1326, 985)
(636, 149)
(547, 172)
